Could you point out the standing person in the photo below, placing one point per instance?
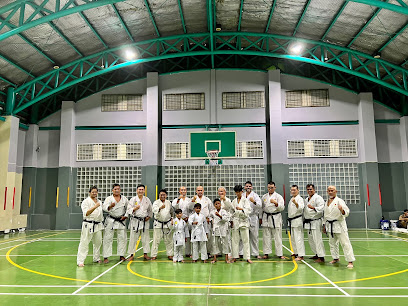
(225, 202)
(220, 234)
(273, 204)
(335, 214)
(240, 225)
(295, 223)
(313, 214)
(140, 211)
(92, 227)
(199, 233)
(162, 228)
(256, 206)
(115, 205)
(184, 203)
(180, 235)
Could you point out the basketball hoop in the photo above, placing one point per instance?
(213, 157)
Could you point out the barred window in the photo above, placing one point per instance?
(109, 151)
(120, 103)
(185, 101)
(322, 148)
(250, 149)
(176, 150)
(245, 99)
(307, 98)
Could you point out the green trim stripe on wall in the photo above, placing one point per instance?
(49, 128)
(206, 126)
(128, 127)
(312, 123)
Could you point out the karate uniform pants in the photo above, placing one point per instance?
(144, 237)
(108, 240)
(209, 242)
(297, 239)
(276, 233)
(178, 253)
(83, 247)
(316, 241)
(167, 236)
(344, 240)
(188, 247)
(220, 245)
(199, 246)
(253, 241)
(244, 231)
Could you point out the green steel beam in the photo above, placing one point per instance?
(47, 15)
(241, 8)
(365, 25)
(210, 10)
(122, 22)
(152, 17)
(88, 23)
(402, 29)
(385, 5)
(182, 16)
(301, 17)
(270, 15)
(7, 81)
(334, 20)
(348, 61)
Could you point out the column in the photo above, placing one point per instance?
(404, 149)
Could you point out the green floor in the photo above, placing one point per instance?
(39, 267)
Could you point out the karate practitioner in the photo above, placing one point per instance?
(240, 225)
(184, 203)
(139, 211)
(335, 214)
(220, 234)
(313, 214)
(199, 233)
(272, 204)
(115, 205)
(162, 228)
(256, 206)
(226, 204)
(295, 223)
(180, 235)
(92, 227)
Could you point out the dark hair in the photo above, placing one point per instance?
(197, 205)
(178, 211)
(271, 183)
(217, 199)
(163, 190)
(114, 185)
(248, 182)
(92, 188)
(405, 210)
(238, 188)
(141, 185)
(310, 185)
(295, 186)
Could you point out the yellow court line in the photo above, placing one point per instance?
(400, 238)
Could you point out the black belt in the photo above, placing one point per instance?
(118, 219)
(331, 226)
(290, 222)
(163, 224)
(272, 214)
(309, 221)
(138, 223)
(93, 222)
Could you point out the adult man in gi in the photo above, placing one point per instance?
(184, 203)
(313, 214)
(335, 214)
(272, 204)
(295, 223)
(140, 211)
(115, 205)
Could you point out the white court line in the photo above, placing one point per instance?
(103, 273)
(333, 284)
(72, 255)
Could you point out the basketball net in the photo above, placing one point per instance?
(213, 157)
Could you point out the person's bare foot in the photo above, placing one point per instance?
(81, 265)
(130, 258)
(194, 261)
(350, 265)
(249, 261)
(320, 260)
(122, 258)
(182, 261)
(233, 260)
(334, 261)
(153, 258)
(146, 257)
(299, 258)
(259, 257)
(227, 261)
(170, 257)
(105, 260)
(266, 256)
(213, 261)
(204, 261)
(314, 257)
(282, 257)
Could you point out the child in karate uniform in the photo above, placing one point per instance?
(220, 235)
(180, 236)
(199, 232)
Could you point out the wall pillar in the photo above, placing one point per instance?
(404, 149)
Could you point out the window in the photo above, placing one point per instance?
(109, 151)
(120, 103)
(186, 101)
(176, 150)
(245, 99)
(307, 98)
(322, 148)
(250, 149)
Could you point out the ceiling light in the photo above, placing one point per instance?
(56, 67)
(296, 49)
(377, 55)
(130, 55)
(218, 27)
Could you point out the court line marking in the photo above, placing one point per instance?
(255, 261)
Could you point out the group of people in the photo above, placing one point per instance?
(200, 228)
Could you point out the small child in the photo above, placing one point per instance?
(220, 232)
(199, 233)
(180, 235)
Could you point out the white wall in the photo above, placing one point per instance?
(388, 143)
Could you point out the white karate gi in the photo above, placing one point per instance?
(254, 221)
(227, 205)
(162, 228)
(272, 223)
(296, 226)
(91, 230)
(206, 207)
(314, 226)
(339, 229)
(181, 232)
(220, 232)
(240, 220)
(137, 224)
(186, 207)
(111, 225)
(198, 235)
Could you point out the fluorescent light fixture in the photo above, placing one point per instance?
(130, 55)
(296, 48)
